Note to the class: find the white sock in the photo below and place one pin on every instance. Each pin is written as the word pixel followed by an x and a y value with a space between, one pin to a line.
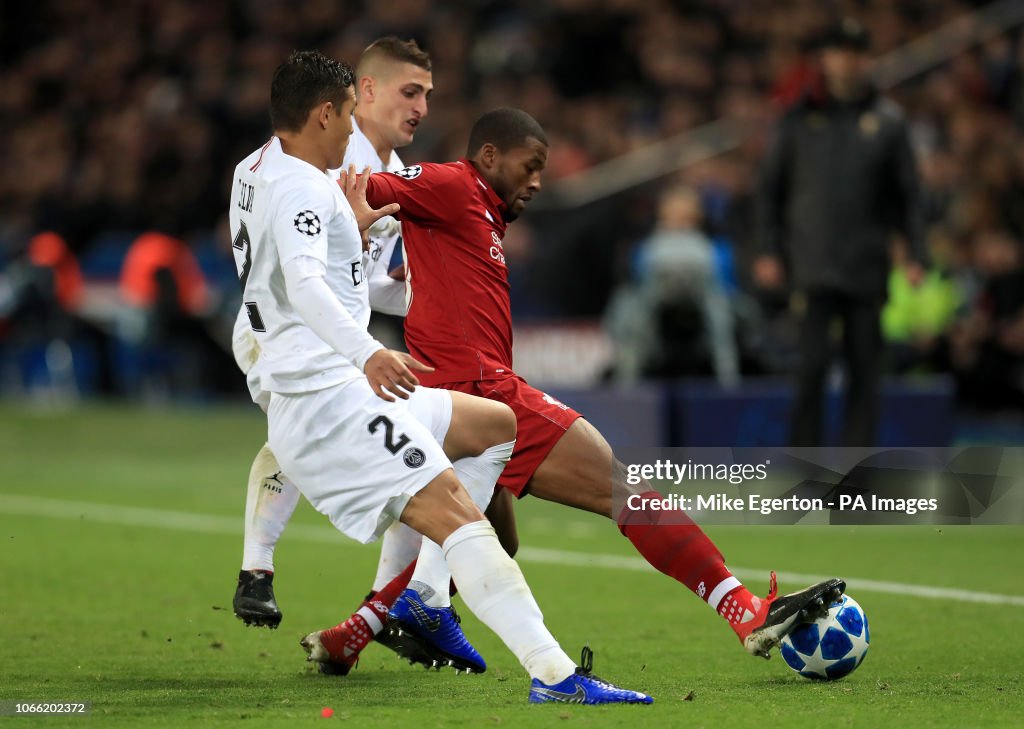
pixel 478 475
pixel 431 578
pixel 269 503
pixel 494 588
pixel 398 548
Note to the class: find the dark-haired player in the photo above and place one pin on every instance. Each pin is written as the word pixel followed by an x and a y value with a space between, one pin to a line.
pixel 394 83
pixel 334 423
pixel 454 217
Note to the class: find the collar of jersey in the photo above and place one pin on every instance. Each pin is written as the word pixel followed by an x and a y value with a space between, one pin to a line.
pixel 298 160
pixel 492 197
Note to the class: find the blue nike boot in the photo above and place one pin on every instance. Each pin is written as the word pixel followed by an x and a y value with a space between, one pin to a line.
pixel 583 687
pixel 430 636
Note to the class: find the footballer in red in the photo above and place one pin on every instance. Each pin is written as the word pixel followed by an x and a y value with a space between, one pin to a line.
pixel 454 217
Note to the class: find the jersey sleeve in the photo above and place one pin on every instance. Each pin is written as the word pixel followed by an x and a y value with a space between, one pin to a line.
pixel 428 194
pixel 301 214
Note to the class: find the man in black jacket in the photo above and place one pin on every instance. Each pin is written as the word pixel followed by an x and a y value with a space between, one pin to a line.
pixel 839 179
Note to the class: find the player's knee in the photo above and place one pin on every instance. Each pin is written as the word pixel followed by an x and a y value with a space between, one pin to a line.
pixel 495 424
pixel 504 424
pixel 440 508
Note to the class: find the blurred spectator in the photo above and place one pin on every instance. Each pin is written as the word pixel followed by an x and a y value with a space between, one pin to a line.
pixel 49 251
pixel 166 325
pixel 916 319
pixel 988 345
pixel 128 116
pixel 161 272
pixel 38 300
pixel 675 319
pixel 839 179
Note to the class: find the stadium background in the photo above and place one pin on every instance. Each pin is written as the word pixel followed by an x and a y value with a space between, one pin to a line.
pixel 125 118
pixel 124 458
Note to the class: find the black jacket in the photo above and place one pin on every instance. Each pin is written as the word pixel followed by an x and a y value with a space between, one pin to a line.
pixel 838 180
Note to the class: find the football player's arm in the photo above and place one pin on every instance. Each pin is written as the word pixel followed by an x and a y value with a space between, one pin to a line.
pixel 311 297
pixel 388 372
pixel 353 185
pixel 427 194
pixel 300 233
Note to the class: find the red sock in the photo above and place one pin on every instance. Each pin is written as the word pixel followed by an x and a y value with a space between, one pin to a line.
pixel 350 637
pixel 674 545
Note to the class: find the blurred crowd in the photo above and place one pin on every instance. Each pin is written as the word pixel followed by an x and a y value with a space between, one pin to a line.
pixel 126 116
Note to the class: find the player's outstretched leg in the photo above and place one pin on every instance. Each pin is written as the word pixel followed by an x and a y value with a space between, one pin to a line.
pixel 270 501
pixel 581 471
pixel 583 687
pixel 493 587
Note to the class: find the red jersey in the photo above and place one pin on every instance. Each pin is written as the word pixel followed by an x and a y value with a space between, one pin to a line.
pixel 459 320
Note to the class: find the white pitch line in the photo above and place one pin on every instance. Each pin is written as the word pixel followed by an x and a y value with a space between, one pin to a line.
pixel 855 584
pixel 89 511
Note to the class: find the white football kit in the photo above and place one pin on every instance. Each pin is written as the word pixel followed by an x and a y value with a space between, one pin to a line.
pixel 357 458
pixel 387 295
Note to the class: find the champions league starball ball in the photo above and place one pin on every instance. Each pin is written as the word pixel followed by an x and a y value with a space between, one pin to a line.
pixel 831 647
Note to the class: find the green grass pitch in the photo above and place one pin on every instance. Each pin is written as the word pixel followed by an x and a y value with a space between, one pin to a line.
pixel 120 539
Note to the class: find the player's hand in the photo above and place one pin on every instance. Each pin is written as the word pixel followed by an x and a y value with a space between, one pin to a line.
pixel 390 374
pixel 354 187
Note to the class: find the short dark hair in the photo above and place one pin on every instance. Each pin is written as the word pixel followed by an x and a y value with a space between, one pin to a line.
pixel 506 129
pixel 393 48
pixel 304 80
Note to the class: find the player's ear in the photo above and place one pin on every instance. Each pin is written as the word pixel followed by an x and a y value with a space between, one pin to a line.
pixel 367 88
pixel 324 113
pixel 488 156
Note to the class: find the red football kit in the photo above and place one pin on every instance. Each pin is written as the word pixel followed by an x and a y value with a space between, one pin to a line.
pixel 460 319
pixel 460 322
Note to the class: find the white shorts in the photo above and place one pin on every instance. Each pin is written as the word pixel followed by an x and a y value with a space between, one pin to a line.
pixel 357 458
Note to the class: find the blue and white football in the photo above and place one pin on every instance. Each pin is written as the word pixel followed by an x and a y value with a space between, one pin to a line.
pixel 830 647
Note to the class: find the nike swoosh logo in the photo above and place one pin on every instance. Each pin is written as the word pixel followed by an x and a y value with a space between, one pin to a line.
pixel 431 624
pixel 576 697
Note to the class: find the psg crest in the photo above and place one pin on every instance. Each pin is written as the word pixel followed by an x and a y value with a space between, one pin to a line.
pixel 307 223
pixel 414 457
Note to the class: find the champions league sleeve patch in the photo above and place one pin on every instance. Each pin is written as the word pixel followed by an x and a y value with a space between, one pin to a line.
pixel 307 223
pixel 411 172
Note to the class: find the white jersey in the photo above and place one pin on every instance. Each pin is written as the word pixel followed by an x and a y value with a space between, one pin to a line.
pixel 387 295
pixel 283 208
